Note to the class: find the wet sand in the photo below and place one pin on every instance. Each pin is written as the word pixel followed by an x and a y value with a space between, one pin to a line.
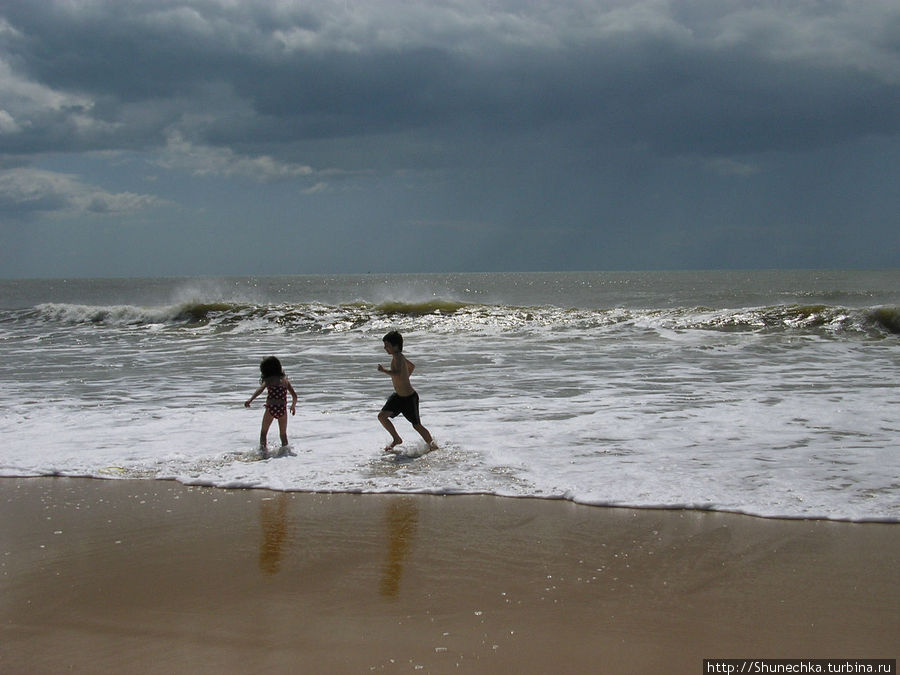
pixel 157 577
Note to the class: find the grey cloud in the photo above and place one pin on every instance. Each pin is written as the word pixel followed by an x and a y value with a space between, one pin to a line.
pixel 206 160
pixel 707 78
pixel 25 193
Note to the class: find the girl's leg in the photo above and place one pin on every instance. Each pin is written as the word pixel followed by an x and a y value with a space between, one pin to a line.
pixel 264 431
pixel 282 428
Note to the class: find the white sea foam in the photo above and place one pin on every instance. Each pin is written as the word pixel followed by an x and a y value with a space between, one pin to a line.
pixel 774 410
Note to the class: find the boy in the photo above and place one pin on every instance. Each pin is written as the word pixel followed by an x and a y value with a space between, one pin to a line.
pixel 404 400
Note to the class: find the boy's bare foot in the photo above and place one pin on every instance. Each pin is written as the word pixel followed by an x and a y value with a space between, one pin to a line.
pixel 390 447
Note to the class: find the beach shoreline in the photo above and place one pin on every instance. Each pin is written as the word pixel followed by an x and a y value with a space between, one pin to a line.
pixel 156 576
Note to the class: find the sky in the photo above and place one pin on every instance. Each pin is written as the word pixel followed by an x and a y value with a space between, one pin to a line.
pixel 255 137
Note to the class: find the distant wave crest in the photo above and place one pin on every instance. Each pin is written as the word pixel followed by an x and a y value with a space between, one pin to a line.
pixel 451 316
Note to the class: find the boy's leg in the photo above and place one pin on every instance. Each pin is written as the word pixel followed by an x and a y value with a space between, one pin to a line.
pixel 385 418
pixel 413 418
pixel 425 434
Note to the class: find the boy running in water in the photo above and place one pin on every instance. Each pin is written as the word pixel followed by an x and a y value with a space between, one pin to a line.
pixel 404 400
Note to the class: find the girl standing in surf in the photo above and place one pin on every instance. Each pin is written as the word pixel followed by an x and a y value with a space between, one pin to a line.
pixel 273 379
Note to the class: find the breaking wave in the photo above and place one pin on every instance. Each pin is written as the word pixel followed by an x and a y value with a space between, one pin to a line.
pixel 452 316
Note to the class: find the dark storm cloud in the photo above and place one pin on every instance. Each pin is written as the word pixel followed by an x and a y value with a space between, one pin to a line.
pixel 594 119
pixel 697 77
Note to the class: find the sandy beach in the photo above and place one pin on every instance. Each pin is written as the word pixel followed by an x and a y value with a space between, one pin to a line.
pixel 158 577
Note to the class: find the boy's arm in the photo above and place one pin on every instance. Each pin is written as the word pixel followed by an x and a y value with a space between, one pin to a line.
pixel 393 370
pixel 255 394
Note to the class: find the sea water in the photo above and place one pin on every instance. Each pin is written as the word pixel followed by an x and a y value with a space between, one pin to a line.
pixel 769 393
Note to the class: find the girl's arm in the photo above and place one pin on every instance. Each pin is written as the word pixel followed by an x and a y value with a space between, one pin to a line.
pixel 290 388
pixel 255 394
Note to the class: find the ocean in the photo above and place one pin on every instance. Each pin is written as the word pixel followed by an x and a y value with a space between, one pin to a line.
pixel 771 393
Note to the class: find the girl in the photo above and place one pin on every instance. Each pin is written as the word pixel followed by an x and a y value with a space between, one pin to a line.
pixel 273 378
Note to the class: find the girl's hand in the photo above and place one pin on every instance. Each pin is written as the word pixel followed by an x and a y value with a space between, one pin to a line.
pixel 247 403
pixel 293 408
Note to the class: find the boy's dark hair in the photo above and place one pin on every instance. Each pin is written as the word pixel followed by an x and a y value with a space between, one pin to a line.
pixel 270 367
pixel 395 339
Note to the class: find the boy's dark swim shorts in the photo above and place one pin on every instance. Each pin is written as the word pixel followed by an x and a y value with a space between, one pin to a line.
pixel 408 406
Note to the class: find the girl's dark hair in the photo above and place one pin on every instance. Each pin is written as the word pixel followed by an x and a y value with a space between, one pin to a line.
pixel 270 367
pixel 395 339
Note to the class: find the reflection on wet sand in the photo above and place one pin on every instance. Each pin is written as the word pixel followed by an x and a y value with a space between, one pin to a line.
pixel 401 517
pixel 273 521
